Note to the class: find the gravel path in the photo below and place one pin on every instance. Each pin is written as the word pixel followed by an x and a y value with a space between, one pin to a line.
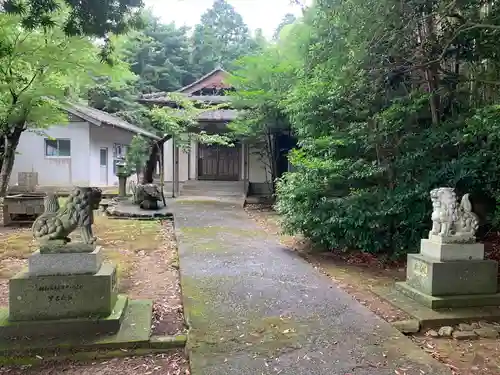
pixel 256 308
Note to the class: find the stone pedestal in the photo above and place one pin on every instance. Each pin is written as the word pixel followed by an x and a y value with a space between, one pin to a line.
pixel 63 296
pixel 43 264
pixel 451 275
pixel 64 292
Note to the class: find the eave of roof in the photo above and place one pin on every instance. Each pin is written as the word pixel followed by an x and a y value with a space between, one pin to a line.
pixel 219 115
pixel 99 118
pixel 162 98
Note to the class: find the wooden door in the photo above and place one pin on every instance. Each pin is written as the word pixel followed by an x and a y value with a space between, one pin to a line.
pixel 220 163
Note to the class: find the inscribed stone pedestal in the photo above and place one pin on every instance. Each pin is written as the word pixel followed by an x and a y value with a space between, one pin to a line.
pixel 438 278
pixel 65 263
pixel 60 297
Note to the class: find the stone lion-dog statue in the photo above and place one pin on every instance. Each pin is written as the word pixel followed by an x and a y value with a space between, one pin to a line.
pixel 56 223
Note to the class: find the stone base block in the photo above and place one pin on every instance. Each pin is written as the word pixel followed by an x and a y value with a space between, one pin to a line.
pixel 63 297
pixel 463 277
pixel 444 302
pixel 65 263
pixel 65 328
pixel 61 246
pixel 451 251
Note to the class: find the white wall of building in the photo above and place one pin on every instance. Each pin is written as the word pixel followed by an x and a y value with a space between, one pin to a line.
pixel 55 170
pixel 193 156
pixel 258 171
pixel 83 166
pixel 184 157
pixel 105 137
pixel 168 160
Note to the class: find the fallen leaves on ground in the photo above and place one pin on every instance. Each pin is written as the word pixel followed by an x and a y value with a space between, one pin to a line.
pixel 160 364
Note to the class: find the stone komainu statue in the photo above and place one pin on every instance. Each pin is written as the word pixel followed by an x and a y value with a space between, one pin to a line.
pixel 449 219
pixel 57 223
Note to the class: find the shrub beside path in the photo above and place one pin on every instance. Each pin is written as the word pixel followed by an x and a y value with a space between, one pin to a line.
pixel 256 308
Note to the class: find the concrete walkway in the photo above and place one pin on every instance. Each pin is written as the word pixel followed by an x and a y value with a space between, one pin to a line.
pixel 256 308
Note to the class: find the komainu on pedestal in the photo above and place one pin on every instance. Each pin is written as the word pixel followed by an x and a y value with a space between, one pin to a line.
pixel 68 289
pixel 450 270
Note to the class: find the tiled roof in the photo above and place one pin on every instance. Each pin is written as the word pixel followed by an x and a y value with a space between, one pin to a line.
pixel 188 88
pixel 98 117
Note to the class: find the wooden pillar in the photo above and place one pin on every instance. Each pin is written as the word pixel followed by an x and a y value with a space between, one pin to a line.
pixel 246 166
pixel 173 167
pixel 176 171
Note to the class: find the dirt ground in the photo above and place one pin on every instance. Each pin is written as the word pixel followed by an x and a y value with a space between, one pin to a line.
pixel 145 253
pixel 161 364
pixel 358 273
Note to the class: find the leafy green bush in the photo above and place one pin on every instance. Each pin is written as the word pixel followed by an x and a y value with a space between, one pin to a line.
pixel 344 202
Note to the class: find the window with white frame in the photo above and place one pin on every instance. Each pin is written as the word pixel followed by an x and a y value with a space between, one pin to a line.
pixel 119 151
pixel 57 147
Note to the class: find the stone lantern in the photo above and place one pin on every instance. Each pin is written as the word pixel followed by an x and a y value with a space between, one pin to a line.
pixel 122 172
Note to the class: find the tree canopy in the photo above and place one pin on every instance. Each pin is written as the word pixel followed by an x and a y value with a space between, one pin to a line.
pixel 88 17
pixel 39 73
pixel 220 38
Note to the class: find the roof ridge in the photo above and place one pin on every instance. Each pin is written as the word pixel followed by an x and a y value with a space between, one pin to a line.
pixel 218 69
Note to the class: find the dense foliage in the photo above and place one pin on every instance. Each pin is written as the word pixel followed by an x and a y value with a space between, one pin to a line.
pixel 388 99
pixel 88 17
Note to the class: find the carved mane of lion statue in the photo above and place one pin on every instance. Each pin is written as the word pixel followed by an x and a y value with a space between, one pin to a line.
pixel 444 211
pixel 57 223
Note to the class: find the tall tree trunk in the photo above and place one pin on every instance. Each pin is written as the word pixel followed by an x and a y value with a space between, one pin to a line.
pixel 2 149
pixel 10 143
pixel 154 154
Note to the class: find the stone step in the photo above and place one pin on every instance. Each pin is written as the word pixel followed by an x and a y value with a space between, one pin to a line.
pixel 213 188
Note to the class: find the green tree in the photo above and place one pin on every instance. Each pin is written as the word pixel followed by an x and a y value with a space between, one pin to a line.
pixel 288 19
pixel 159 54
pixel 220 38
pixel 137 154
pixel 262 83
pixel 36 72
pixel 90 17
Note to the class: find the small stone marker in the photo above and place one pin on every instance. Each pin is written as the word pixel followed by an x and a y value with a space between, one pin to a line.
pixel 445 331
pixel 407 326
pixel 464 335
pixel 483 324
pixel 466 327
pixel 432 333
pixel 487 333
